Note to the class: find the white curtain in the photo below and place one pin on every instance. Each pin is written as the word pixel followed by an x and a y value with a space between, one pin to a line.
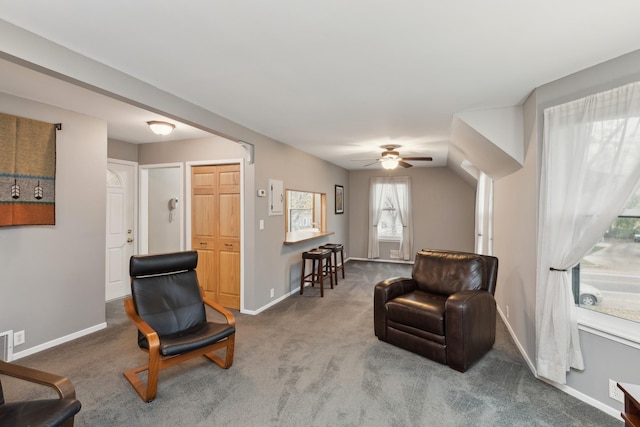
pixel 590 166
pixel 376 198
pixel 484 215
pixel 400 189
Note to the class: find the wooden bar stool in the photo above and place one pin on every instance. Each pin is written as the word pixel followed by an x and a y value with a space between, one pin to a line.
pixel 335 248
pixel 321 268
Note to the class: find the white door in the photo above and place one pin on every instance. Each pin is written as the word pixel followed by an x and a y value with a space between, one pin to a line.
pixel 120 228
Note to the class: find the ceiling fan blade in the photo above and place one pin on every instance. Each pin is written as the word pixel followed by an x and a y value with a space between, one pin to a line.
pixel 404 164
pixel 425 159
pixel 364 166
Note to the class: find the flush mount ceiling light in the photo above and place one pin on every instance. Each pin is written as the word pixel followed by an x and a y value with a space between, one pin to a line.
pixel 389 162
pixel 161 128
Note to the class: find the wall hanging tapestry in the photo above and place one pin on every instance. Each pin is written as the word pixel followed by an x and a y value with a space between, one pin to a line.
pixel 27 171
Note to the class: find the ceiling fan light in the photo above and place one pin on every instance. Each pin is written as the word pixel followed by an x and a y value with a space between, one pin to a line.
pixel 389 163
pixel 161 128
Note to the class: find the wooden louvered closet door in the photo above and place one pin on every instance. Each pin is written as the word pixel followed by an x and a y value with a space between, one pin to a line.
pixel 215 230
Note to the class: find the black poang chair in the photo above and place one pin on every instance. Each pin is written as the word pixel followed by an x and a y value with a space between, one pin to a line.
pixel 168 308
pixel 43 412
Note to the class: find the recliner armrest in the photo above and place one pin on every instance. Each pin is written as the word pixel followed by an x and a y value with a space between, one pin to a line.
pixel 389 289
pixel 470 327
pixel 383 292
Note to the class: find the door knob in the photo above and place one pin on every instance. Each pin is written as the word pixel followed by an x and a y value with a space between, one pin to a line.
pixel 129 240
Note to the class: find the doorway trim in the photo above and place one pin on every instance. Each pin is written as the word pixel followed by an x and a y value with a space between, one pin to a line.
pixel 187 209
pixel 134 235
pixel 143 240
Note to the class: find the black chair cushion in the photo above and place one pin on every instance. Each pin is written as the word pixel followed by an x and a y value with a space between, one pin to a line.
pixel 191 339
pixel 46 413
pixel 170 304
pixel 418 310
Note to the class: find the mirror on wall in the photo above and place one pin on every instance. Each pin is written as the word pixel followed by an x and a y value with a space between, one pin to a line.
pixel 305 211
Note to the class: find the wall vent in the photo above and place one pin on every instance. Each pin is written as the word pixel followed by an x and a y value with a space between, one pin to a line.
pixel 394 254
pixel 6 346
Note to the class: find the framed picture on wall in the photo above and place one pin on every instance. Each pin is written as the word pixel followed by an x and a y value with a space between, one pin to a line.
pixel 339 199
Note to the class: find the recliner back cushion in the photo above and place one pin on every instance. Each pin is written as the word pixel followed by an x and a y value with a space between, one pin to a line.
pixel 446 273
pixel 169 303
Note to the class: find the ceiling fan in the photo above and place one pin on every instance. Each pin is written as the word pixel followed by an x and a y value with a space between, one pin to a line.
pixel 390 158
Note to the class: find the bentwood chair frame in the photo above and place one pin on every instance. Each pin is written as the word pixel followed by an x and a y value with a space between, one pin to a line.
pixel 157 362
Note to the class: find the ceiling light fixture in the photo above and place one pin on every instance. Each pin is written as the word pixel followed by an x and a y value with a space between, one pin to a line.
pixel 389 162
pixel 161 128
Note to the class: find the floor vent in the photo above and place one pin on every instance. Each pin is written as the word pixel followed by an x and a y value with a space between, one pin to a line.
pixel 6 347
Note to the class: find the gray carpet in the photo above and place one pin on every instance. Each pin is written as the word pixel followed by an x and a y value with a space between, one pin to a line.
pixel 309 361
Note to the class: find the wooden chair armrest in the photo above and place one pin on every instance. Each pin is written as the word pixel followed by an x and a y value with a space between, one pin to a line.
pixel 61 385
pixel 143 327
pixel 231 320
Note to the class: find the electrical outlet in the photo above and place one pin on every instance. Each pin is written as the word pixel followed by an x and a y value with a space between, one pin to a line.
pixel 615 392
pixel 18 338
pixel 272 292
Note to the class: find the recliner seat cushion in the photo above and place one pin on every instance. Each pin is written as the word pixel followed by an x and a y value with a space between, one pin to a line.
pixel 419 310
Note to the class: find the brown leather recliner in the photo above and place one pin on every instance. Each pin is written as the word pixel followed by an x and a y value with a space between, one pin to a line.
pixel 445 312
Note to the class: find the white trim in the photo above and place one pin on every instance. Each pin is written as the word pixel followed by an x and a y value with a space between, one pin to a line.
pixel 58 341
pixel 615 413
pixel 271 303
pixel 9 335
pixel 390 261
pixel 562 387
pixel 607 326
pixel 523 353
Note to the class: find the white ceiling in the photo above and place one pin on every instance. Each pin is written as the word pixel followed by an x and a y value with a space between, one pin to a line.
pixel 334 78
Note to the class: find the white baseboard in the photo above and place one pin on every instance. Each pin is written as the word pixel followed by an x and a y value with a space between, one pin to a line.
pixel 58 341
pixel 562 387
pixel 390 261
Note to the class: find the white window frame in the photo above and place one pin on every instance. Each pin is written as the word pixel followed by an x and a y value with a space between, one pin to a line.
pixel 608 326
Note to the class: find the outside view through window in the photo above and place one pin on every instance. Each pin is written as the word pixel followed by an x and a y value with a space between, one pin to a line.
pixel 300 210
pixel 610 273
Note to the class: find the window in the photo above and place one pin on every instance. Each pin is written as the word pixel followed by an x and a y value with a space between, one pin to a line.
pixel 389 225
pixel 607 280
pixel 390 216
pixel 305 211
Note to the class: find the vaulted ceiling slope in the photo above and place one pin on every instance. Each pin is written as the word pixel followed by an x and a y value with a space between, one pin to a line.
pixel 339 79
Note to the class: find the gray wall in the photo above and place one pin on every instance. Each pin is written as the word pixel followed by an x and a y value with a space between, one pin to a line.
pixel 266 257
pixel 53 277
pixel 164 225
pixel 443 210
pixel 122 150
pixel 516 204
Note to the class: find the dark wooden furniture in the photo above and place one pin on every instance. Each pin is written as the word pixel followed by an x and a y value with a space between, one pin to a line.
pixel 336 248
pixel 49 412
pixel 631 414
pixel 321 268
pixel 168 308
